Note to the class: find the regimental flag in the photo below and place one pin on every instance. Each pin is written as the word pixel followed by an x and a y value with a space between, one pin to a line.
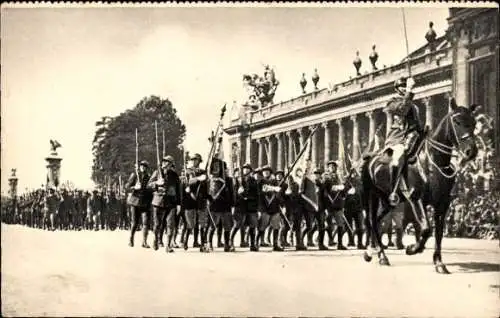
pixel 307 189
pixel 218 167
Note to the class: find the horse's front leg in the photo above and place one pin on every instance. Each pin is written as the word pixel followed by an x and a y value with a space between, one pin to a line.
pixel 423 222
pixel 439 218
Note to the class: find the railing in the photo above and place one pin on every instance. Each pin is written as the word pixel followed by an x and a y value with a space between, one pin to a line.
pixel 369 80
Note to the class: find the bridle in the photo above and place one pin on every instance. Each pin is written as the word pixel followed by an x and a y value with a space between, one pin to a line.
pixel 448 150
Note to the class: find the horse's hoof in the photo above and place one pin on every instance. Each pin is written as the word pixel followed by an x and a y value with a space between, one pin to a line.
pixel 367 257
pixel 384 261
pixel 441 269
pixel 410 250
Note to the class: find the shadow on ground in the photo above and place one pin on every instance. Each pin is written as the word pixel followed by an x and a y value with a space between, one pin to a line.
pixel 476 267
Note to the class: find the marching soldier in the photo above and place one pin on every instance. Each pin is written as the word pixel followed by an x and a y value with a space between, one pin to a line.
pixel 94 210
pixel 138 202
pixel 166 201
pixel 320 215
pixel 221 201
pixel 195 202
pixel 298 207
pixel 112 208
pixel 51 205
pixel 248 192
pixel 270 204
pixel 280 174
pixel 334 194
pixel 238 216
pixel 354 209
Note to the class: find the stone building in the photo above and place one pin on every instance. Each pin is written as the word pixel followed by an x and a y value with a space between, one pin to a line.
pixel 462 63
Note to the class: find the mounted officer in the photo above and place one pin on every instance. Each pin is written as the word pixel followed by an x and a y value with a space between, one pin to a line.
pixel 138 200
pixel 166 201
pixel 405 134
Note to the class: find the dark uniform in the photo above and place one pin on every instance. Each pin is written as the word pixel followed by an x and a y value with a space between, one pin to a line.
pixel 166 202
pixel 334 196
pixel 94 210
pixel 354 210
pixel 270 201
pixel 238 216
pixel 51 207
pixel 221 201
pixel 139 200
pixel 248 192
pixel 195 200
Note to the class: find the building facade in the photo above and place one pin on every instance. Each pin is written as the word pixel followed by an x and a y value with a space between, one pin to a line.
pixel 462 63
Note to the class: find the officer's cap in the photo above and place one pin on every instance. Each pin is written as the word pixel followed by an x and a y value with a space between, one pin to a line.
pixel 196 156
pixel 280 172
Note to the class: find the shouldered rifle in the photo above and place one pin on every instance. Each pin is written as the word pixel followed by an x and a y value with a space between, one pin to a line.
pixel 158 162
pixel 138 181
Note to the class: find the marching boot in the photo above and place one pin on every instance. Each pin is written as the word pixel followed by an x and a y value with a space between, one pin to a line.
pixel 243 241
pixel 351 238
pixel 330 237
pixel 389 236
pixel 186 239
pixel 145 237
pixel 211 233
pixel 261 240
pixel 268 240
pixel 183 235
pixel 321 239
pixel 300 242
pixel 340 234
pixel 276 246
pixel 195 235
pixel 360 245
pixel 284 236
pixel 227 246
pixel 169 248
pixel 131 240
pixel 399 239
pixel 155 242
pixel 219 237
pixel 253 246
pixel 310 242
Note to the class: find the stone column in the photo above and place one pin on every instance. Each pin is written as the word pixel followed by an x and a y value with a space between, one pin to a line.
pixel 248 152
pixel 371 130
pixel 291 155
pixel 428 111
pixel 340 135
pixel 389 122
pixel 279 164
pixel 326 126
pixel 355 138
pixel 302 138
pixel 270 159
pixel 260 161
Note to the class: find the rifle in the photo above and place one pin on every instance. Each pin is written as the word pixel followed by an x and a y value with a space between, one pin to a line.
pixel 138 181
pixel 158 162
pixel 164 149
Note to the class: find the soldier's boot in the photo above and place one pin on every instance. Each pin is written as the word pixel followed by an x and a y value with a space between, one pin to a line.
pixel 276 246
pixel 243 241
pixel 310 242
pixel 195 235
pixel 227 240
pixel 300 242
pixel 321 239
pixel 350 235
pixel 169 248
pixel 155 242
pixel 340 235
pixel 145 237
pixel 399 239
pixel 360 245
pixel 253 246
pixel 268 240
pixel 219 237
pixel 331 241
pixel 389 236
pixel 284 237
pixel 183 235
pixel 186 240
pixel 131 240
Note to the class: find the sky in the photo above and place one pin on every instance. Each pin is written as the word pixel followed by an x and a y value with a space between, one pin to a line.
pixel 62 69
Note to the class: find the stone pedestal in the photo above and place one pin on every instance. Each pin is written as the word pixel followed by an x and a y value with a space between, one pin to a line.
pixel 53 170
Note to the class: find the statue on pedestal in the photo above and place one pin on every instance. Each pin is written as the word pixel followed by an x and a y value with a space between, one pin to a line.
pixel 261 89
pixel 53 165
pixel 303 83
pixel 373 58
pixel 315 79
pixel 357 63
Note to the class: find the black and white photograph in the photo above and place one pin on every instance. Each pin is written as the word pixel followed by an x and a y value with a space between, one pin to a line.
pixel 250 159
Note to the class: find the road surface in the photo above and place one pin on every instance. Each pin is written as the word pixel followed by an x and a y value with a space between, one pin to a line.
pixel 96 274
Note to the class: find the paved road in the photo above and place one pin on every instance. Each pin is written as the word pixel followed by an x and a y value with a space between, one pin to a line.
pixel 81 273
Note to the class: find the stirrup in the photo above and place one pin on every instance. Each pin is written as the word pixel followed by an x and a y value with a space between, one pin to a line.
pixel 394 199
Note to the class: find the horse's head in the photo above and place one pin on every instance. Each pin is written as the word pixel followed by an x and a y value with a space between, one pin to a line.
pixel 460 131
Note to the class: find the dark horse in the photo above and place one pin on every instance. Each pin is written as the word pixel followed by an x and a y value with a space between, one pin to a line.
pixel 454 132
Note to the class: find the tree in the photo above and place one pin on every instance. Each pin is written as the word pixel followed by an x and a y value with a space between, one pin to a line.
pixel 114 140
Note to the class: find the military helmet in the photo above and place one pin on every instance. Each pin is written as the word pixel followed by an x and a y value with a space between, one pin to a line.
pixel 248 166
pixel 168 159
pixel 144 163
pixel 267 168
pixel 400 82
pixel 332 162
pixel 196 156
